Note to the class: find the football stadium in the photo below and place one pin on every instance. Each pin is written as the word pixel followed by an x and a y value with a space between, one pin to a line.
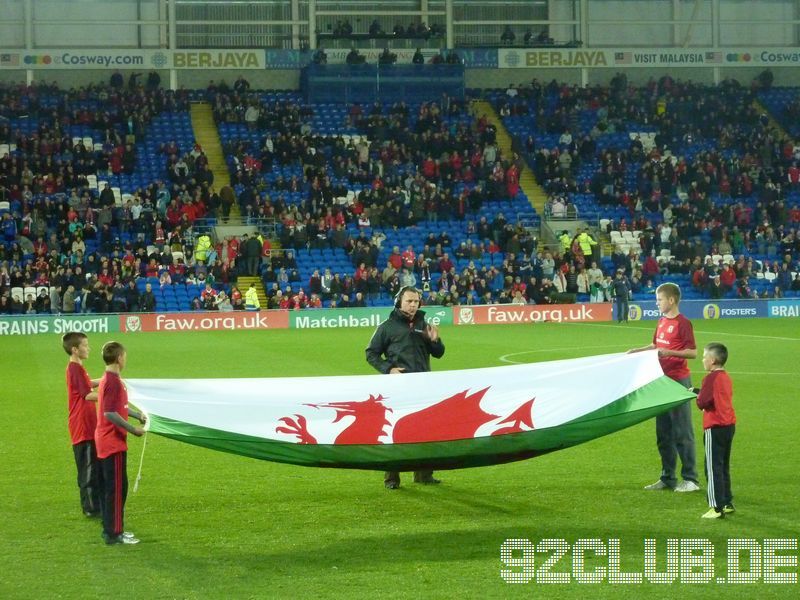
pixel 569 228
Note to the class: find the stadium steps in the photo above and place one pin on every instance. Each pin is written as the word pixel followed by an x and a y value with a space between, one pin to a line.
pixel 531 188
pixel 773 122
pixel 206 134
pixel 605 244
pixel 243 283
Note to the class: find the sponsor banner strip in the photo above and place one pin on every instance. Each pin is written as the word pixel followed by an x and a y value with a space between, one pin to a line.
pixel 204 321
pixel 703 309
pixel 560 58
pixel 789 307
pixel 133 59
pixel 58 324
pixel 471 58
pixel 359 317
pixel 445 419
pixel 512 314
pixel 504 58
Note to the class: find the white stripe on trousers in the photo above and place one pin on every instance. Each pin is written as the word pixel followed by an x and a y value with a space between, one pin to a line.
pixel 712 502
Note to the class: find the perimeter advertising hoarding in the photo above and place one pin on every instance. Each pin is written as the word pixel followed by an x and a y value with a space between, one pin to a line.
pixel 789 307
pixel 560 58
pixel 58 324
pixel 702 309
pixel 511 314
pixel 240 58
pixel 359 317
pixel 204 321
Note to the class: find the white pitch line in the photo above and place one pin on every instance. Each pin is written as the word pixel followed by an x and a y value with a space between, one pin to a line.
pixel 756 373
pixel 505 358
pixel 745 335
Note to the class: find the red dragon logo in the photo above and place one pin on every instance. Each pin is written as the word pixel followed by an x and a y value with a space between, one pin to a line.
pixel 454 418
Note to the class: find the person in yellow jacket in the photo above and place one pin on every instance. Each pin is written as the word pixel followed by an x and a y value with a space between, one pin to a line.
pixel 566 241
pixel 201 250
pixel 251 301
pixel 586 241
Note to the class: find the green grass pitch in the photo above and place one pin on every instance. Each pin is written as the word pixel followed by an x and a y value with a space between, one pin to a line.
pixel 215 525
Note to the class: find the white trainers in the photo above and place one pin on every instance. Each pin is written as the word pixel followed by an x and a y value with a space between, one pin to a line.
pixel 128 534
pixel 129 540
pixel 658 485
pixel 687 486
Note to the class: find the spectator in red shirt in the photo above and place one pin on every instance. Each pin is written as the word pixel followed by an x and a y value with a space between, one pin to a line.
pixel 396 259
pixel 314 301
pixel 208 295
pixel 445 264
pixel 793 174
pixel 83 421
pixel 173 214
pixel 650 267
pixel 111 441
pixel 236 298
pixel 674 340
pixel 409 256
pixel 727 278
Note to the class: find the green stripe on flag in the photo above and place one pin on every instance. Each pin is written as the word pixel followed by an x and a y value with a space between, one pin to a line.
pixel 650 400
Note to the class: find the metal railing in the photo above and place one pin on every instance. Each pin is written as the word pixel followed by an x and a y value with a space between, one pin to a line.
pixel 266 227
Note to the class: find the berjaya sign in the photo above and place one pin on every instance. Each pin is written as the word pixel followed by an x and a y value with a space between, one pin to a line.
pixel 560 58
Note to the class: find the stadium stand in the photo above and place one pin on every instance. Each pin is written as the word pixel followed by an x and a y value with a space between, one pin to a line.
pixel 679 181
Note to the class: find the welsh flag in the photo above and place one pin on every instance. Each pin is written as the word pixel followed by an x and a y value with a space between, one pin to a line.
pixel 439 420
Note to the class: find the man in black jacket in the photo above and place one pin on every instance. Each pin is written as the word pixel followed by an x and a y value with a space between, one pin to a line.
pixel 404 343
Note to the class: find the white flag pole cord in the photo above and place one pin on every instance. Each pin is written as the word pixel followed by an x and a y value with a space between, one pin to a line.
pixel 141 462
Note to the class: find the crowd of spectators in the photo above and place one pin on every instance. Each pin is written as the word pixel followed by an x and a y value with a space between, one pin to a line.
pixel 409 167
pixel 412 166
pixel 717 180
pixel 415 30
pixel 80 247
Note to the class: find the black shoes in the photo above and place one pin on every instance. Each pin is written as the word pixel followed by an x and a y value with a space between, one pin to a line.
pixel 428 481
pixel 392 484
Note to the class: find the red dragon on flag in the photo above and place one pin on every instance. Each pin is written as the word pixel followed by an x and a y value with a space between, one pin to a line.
pixel 454 418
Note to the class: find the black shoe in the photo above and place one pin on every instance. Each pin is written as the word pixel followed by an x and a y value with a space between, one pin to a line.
pixel 428 481
pixel 391 485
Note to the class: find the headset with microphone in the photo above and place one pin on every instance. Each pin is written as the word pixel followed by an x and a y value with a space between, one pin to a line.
pixel 398 297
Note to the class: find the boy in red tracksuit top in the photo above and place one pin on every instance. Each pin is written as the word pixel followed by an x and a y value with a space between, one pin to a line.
pixel 111 441
pixel 715 399
pixel 83 421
